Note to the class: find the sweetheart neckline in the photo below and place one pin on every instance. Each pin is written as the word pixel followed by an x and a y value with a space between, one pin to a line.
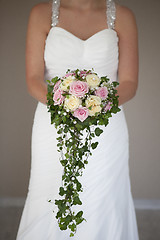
pixel 95 34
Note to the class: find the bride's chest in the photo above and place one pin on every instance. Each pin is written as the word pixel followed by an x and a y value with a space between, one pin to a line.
pixel 82 23
pixel 62 44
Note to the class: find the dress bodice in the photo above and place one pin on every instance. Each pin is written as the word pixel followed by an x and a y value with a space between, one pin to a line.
pixel 63 50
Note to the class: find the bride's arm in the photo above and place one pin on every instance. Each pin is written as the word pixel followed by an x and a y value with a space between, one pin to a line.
pixel 38 25
pixel 126 28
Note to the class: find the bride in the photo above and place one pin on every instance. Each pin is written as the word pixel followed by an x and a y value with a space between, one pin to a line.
pixel 84 34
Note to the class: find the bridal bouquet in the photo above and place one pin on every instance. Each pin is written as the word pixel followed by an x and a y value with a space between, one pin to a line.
pixel 79 102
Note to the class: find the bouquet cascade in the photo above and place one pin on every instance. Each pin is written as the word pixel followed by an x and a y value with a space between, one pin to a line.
pixel 78 102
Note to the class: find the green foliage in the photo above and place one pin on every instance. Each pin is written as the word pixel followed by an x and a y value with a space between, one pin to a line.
pixel 94 145
pixel 74 152
pixel 98 131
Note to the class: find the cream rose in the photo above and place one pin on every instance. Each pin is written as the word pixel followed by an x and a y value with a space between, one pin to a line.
pixel 94 110
pixel 72 102
pixel 93 80
pixel 93 102
pixel 66 83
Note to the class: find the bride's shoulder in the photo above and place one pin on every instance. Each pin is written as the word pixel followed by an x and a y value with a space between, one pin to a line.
pixel 41 13
pixel 124 13
pixel 42 8
pixel 125 18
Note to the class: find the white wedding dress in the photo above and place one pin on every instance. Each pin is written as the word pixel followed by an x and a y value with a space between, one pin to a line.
pixel 107 199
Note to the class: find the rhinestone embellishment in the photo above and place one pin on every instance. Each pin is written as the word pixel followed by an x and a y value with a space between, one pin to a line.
pixel 55 12
pixel 111 13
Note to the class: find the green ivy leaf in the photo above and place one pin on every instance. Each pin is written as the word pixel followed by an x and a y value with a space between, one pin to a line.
pixel 71 234
pixel 79 220
pixel 68 219
pixel 50 88
pixel 79 214
pixel 115 84
pixel 101 122
pixel 115 109
pixel 94 145
pixel 67 155
pixel 98 131
pixel 72 227
pixel 79 185
pixel 77 201
pixel 78 126
pixel 63 226
pixel 55 79
pixel 63 162
pixel 61 191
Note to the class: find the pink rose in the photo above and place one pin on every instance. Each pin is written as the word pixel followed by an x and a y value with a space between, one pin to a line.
pixel 78 88
pixel 102 92
pixel 107 106
pixel 56 86
pixel 58 97
pixel 81 113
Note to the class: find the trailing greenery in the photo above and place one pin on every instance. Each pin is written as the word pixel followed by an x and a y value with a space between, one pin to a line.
pixel 75 150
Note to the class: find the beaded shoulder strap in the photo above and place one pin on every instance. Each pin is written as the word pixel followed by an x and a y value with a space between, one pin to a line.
pixel 55 12
pixel 111 13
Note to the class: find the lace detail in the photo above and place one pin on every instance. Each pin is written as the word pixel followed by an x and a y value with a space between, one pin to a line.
pixel 55 12
pixel 111 13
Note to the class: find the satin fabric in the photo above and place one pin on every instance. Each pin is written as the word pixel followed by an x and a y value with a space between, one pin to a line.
pixel 107 199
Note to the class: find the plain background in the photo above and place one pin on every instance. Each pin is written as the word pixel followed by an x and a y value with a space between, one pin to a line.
pixel 17 106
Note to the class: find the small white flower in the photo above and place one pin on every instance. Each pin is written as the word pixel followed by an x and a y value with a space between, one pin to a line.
pixel 59 112
pixel 92 89
pixel 65 113
pixel 74 122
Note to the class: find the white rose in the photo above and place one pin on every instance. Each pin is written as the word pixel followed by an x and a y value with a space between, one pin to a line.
pixel 93 102
pixel 93 80
pixel 66 83
pixel 94 110
pixel 72 102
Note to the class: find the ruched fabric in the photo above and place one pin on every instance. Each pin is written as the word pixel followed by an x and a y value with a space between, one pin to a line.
pixel 107 199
